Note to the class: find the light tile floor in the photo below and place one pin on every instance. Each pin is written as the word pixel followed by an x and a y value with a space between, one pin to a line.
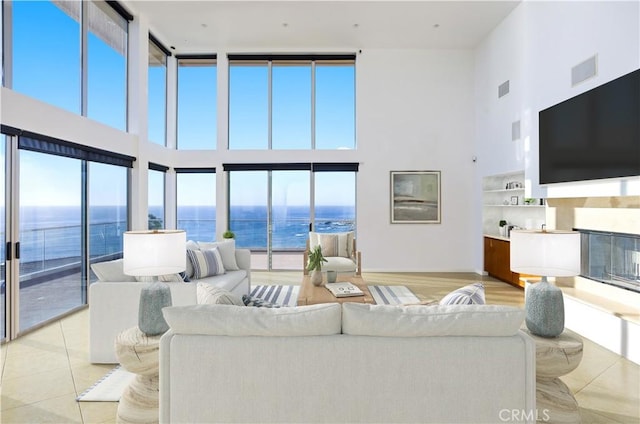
pixel 43 372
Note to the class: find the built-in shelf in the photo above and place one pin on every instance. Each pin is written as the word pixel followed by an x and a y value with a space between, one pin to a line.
pixel 504 199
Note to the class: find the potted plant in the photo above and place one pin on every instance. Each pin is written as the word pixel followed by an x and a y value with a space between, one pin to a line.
pixel 315 265
pixel 228 234
pixel 503 228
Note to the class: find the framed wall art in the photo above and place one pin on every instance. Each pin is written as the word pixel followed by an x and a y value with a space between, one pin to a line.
pixel 415 197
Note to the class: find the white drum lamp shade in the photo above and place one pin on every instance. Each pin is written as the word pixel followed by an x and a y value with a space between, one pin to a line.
pixel 547 254
pixel 153 253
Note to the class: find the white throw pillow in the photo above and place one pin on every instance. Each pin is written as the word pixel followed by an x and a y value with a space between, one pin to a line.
pixel 205 262
pixel 111 271
pixel 333 244
pixel 420 321
pixel 227 249
pixel 229 320
pixel 473 294
pixel 208 294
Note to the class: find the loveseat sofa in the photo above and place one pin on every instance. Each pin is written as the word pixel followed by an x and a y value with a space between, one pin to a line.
pixel 346 363
pixel 114 299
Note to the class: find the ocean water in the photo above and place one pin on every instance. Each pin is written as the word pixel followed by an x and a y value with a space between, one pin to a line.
pixel 54 233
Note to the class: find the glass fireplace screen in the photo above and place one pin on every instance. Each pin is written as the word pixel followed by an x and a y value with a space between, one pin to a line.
pixel 611 258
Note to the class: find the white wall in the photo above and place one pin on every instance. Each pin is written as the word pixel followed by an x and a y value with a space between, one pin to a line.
pixel 535 48
pixel 415 112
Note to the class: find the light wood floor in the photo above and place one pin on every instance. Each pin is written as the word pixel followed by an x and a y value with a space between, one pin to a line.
pixel 44 371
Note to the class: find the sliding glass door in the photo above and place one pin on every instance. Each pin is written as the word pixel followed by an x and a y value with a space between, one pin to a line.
pixel 249 213
pixel 56 217
pixel 269 214
pixel 290 217
pixel 50 231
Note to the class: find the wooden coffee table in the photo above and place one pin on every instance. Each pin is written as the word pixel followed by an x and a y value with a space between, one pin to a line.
pixel 312 295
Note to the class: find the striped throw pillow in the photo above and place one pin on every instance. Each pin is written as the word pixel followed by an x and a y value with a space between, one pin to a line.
pixel 205 262
pixel 473 294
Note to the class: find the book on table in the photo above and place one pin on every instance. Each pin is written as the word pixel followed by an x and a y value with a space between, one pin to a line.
pixel 344 289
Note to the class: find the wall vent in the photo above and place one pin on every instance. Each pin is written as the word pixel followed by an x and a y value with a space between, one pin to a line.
pixel 585 70
pixel 515 130
pixel 503 89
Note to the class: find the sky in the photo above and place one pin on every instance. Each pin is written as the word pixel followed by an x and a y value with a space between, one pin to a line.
pixel 46 65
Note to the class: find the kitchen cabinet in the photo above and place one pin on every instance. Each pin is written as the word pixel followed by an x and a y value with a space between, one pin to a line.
pixel 497 258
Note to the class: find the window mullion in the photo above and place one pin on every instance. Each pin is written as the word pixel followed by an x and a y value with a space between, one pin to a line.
pixel 270 105
pixel 313 105
pixel 269 218
pixel 84 58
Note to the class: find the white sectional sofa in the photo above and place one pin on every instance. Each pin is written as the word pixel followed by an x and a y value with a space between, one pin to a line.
pixel 346 363
pixel 114 300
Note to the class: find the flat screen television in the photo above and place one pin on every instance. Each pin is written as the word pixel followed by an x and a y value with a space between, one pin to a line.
pixel 594 135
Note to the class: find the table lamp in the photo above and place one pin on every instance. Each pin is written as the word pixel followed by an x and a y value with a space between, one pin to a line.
pixel 547 254
pixel 151 254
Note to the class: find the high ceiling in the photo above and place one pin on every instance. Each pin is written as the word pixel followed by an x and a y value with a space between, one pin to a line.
pixel 208 26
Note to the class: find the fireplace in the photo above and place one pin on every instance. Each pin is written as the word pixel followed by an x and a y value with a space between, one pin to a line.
pixel 611 258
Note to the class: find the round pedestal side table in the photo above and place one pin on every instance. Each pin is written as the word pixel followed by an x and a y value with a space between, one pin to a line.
pixel 556 357
pixel 138 353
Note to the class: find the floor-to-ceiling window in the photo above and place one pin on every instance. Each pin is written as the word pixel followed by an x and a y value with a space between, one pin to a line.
pixel 291 105
pixel 291 102
pixel 271 207
pixel 196 203
pixel 248 207
pixel 61 218
pixel 197 102
pixel 334 210
pixel 50 237
pixel 335 105
pixel 290 211
pixel 107 65
pixel 269 212
pixel 156 196
pixel 108 214
pixel 46 51
pixel 157 92
pixel 249 105
pixel 49 61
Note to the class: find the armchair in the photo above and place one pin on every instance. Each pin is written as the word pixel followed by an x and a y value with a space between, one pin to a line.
pixel 339 249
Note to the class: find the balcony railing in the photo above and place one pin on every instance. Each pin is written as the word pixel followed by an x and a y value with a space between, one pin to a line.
pixel 46 251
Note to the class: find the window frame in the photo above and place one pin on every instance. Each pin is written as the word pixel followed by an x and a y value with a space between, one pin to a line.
pixel 271 60
pixel 163 61
pixel 8 53
pixel 203 58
